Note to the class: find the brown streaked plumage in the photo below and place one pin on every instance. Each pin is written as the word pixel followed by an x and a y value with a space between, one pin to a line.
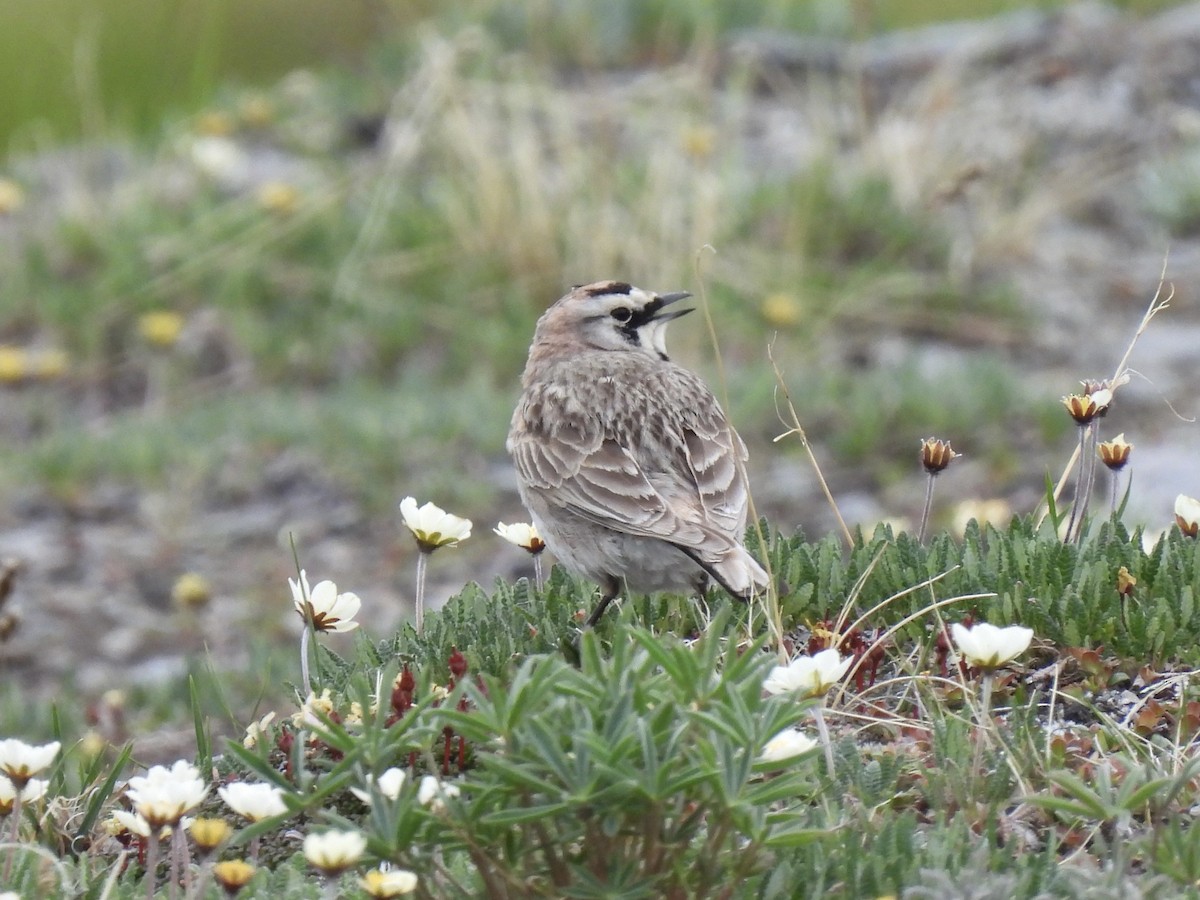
pixel 625 460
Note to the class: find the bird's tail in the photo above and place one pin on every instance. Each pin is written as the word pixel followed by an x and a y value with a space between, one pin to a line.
pixel 735 570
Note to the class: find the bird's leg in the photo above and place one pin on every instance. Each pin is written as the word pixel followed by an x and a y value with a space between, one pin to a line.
pixel 609 591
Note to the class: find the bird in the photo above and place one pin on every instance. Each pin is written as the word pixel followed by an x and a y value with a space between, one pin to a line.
pixel 626 462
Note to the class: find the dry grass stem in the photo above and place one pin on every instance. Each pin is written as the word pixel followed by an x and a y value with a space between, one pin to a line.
pixel 797 429
pixel 770 600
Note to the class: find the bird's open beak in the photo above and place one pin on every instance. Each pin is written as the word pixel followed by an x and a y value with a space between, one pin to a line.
pixel 665 300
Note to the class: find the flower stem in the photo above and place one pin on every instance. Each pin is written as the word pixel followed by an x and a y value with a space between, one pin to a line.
pixel 823 733
pixel 537 571
pixel 1087 474
pixel 985 717
pixel 419 618
pixel 173 853
pixel 1075 504
pixel 151 862
pixel 304 661
pixel 928 507
pixel 16 832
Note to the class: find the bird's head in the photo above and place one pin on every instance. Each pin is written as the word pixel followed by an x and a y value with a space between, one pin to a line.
pixel 612 315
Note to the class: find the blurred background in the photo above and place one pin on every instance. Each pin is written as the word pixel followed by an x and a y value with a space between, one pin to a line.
pixel 266 268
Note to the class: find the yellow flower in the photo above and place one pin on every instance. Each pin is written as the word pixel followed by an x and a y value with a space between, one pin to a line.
pixel 233 874
pixel 214 123
pixel 14 365
pixel 1125 582
pixel 92 745
pixel 256 111
pixel 160 328
pixel 278 197
pixel 191 591
pixel 209 834
pixel 698 141
pixel 12 197
pixel 781 310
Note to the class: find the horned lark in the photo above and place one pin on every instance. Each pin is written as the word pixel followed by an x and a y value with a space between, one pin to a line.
pixel 626 462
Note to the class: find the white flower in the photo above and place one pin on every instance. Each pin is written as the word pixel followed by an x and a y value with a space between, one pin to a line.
pixel 434 794
pixel 333 852
pixel 432 526
pixel 1102 398
pixel 1187 514
pixel 808 676
pixel 324 606
pixel 392 883
pixel 388 784
pixel 257 730
pixel 787 744
pixel 523 535
pixel 220 159
pixel 162 796
pixel 310 714
pixel 989 647
pixel 253 801
pixel 21 761
pixel 131 822
pixel 122 821
pixel 34 790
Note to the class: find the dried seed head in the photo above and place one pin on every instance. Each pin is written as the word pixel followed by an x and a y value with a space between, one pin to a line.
pixel 1085 407
pixel 1115 453
pixel 936 454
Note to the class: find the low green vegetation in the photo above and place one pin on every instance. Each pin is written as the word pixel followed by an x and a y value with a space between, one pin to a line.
pixel 648 768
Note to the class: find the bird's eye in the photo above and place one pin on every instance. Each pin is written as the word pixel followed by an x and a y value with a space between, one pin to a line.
pixel 622 313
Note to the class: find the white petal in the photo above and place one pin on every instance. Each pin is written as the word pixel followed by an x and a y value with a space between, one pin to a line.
pixel 1187 508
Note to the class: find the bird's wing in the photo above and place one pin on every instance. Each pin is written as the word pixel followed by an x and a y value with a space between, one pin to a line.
pixel 677 479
